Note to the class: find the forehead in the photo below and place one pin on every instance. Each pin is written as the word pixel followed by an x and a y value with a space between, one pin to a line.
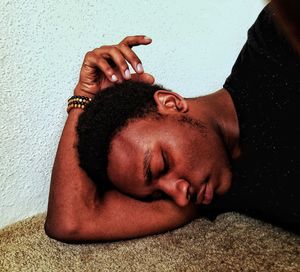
pixel 127 153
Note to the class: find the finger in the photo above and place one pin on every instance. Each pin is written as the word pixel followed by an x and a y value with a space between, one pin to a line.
pixel 91 62
pixel 131 57
pixel 136 40
pixel 146 78
pixel 107 70
pixel 117 57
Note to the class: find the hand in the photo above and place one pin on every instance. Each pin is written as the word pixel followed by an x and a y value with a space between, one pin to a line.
pixel 106 65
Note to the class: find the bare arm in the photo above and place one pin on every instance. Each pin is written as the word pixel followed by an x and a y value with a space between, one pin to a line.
pixel 76 213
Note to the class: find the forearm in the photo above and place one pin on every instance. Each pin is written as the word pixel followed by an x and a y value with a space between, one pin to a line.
pixel 71 191
pixel 121 217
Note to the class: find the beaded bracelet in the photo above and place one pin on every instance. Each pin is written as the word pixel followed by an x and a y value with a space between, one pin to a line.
pixel 77 101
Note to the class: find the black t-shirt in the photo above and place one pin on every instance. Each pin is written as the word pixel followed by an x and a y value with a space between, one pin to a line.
pixel 265 87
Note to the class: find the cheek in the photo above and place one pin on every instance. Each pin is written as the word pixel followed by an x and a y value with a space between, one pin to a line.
pixel 187 156
pixel 207 151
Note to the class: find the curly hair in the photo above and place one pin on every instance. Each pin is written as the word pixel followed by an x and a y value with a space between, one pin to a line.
pixel 109 112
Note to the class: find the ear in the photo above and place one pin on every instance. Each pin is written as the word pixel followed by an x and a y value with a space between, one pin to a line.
pixel 169 102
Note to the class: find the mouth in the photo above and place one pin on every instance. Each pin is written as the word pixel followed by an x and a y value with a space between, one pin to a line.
pixel 205 193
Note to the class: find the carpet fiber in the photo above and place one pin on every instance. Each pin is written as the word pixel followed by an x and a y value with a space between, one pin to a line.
pixel 230 243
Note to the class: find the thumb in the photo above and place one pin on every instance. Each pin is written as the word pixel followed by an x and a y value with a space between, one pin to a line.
pixel 144 77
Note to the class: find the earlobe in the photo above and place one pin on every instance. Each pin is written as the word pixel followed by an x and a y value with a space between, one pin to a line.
pixel 170 102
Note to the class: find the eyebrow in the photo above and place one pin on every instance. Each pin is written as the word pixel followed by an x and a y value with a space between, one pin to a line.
pixel 146 168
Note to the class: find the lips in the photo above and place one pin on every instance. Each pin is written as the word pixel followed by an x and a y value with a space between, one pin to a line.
pixel 209 193
pixel 201 194
pixel 205 194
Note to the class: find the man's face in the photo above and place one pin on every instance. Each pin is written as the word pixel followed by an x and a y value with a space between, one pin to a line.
pixel 180 158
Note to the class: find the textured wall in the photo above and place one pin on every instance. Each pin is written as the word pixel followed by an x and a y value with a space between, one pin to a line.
pixel 42 44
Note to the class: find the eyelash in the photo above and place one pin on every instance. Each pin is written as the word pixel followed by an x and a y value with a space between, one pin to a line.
pixel 157 195
pixel 166 166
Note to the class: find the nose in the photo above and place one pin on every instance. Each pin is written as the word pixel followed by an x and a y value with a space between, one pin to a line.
pixel 177 189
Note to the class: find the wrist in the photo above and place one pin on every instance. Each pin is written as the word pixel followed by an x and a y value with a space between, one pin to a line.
pixel 75 112
pixel 79 91
pixel 78 102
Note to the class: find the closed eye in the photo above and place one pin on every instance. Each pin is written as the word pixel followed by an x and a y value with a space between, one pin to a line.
pixel 158 195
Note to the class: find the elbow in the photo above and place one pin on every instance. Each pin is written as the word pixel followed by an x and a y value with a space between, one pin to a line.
pixel 63 231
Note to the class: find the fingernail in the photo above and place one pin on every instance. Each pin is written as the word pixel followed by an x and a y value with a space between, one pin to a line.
pixel 127 74
pixel 147 38
pixel 140 68
pixel 114 78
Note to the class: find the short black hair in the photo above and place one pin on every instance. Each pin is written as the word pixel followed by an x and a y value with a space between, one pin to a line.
pixel 106 115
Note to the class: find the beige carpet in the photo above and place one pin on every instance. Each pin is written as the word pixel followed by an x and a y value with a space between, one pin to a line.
pixel 231 243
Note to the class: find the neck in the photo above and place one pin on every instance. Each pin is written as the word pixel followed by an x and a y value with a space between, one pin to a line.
pixel 218 112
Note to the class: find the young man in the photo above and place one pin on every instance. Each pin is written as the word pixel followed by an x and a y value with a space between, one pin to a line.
pixel 158 160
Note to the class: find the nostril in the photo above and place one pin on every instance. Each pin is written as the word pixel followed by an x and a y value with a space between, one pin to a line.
pixel 191 195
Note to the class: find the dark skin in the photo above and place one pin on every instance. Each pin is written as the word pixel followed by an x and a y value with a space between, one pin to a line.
pixel 185 161
pixel 75 211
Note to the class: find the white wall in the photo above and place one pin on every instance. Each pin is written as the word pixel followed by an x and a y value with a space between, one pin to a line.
pixel 42 44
